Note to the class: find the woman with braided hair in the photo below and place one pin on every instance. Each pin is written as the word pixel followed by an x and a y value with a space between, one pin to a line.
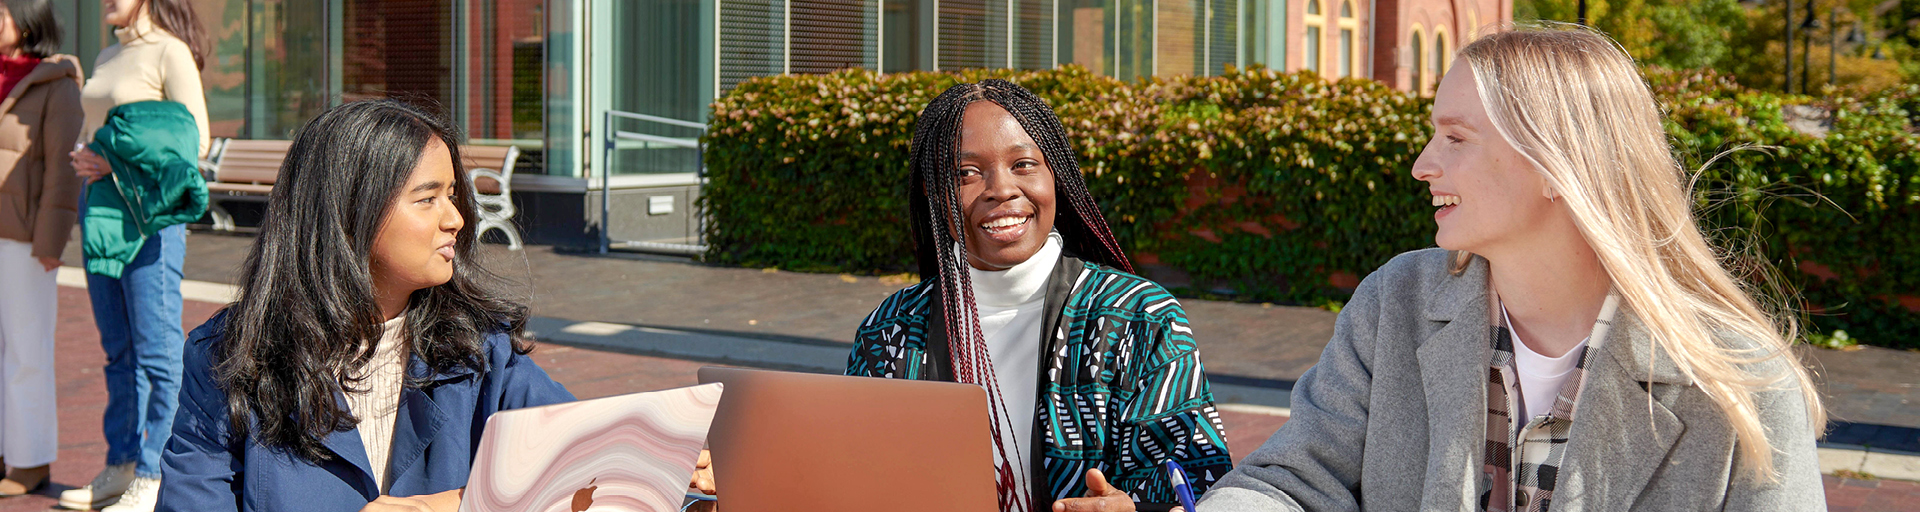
pixel 1092 375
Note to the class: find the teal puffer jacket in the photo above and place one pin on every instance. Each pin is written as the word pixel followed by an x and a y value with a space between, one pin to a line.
pixel 154 149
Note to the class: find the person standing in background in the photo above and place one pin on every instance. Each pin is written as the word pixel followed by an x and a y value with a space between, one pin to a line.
pixel 39 120
pixel 161 50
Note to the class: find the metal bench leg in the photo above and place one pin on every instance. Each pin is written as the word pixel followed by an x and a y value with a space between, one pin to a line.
pixel 513 236
pixel 222 221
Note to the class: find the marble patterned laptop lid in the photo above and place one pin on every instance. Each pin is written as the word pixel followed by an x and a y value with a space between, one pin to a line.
pixel 630 452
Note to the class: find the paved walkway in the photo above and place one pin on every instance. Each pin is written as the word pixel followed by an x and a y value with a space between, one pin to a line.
pixel 592 373
pixel 1254 344
pixel 593 308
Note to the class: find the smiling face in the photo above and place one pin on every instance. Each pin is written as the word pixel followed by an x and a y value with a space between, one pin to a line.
pixel 414 249
pixel 1006 188
pixel 1486 193
pixel 120 13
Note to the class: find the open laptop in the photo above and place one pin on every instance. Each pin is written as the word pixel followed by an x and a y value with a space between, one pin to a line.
pixel 628 453
pixel 799 442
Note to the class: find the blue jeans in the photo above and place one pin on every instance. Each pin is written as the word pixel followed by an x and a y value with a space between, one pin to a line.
pixel 139 320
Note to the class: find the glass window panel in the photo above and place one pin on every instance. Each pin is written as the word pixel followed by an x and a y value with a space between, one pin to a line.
pixel 1346 52
pixel 752 40
pixel 286 64
pixel 1033 34
pixel 828 35
pixel 654 70
pixel 1439 60
pixel 973 34
pixel 1313 48
pixel 1085 32
pixel 1266 41
pixel 1223 35
pixel 1134 37
pixel 502 93
pixel 1181 37
pixel 225 74
pixel 908 40
pixel 1416 82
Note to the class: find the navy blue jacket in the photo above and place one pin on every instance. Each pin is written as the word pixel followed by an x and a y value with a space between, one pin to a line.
pixel 436 432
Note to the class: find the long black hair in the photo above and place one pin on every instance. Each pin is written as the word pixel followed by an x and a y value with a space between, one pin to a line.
pixel 937 215
pixel 306 315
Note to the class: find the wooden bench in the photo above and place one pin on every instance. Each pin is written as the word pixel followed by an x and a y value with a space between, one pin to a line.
pixel 243 170
pixel 246 169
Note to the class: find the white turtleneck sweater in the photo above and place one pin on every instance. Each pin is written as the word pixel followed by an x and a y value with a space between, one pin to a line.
pixel 148 64
pixel 377 406
pixel 1012 304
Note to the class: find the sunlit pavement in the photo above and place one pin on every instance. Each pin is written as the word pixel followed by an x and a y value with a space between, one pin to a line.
pixel 595 373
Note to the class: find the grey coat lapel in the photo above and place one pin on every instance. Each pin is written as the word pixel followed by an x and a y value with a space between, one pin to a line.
pixel 1622 429
pixel 1453 369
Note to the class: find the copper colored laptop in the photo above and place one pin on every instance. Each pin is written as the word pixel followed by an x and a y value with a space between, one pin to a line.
pixel 801 442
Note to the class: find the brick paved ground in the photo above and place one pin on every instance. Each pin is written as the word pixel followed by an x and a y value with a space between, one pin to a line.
pixel 587 373
pixel 592 373
pixel 1873 386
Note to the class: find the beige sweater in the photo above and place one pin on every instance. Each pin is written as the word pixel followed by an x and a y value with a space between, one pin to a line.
pixel 377 405
pixel 149 64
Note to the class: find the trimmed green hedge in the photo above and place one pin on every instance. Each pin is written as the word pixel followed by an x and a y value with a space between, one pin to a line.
pixel 1287 187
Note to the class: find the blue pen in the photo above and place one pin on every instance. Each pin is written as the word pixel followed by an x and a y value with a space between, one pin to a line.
pixel 1178 476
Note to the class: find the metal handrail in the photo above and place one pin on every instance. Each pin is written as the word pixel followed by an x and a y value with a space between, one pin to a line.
pixel 609 136
pixel 656 119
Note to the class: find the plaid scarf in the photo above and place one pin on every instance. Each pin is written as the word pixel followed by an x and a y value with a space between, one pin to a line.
pixel 1522 462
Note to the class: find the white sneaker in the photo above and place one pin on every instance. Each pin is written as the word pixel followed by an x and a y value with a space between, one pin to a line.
pixel 141 496
pixel 107 487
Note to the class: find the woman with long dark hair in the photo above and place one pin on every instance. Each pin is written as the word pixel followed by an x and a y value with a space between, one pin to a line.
pixel 39 120
pixel 135 290
pixel 367 346
pixel 1092 374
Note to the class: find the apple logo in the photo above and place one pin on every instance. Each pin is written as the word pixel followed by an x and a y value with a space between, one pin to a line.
pixel 583 498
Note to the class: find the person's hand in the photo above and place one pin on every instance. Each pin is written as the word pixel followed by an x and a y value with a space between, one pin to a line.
pixel 1101 497
pixel 90 167
pixel 703 474
pixel 49 263
pixel 448 501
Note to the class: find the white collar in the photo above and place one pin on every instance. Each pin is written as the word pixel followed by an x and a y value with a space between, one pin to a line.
pixel 1019 284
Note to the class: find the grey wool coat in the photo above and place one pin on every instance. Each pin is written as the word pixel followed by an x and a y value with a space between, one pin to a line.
pixel 1393 417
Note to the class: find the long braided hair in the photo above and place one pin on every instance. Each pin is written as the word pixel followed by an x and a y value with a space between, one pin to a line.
pixel 939 218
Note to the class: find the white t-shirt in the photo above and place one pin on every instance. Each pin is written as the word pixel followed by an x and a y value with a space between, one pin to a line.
pixel 1540 376
pixel 1012 304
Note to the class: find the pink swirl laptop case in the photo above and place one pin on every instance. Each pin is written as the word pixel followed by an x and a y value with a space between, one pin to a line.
pixel 621 453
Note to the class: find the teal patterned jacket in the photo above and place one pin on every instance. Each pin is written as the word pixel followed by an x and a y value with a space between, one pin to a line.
pixel 1121 388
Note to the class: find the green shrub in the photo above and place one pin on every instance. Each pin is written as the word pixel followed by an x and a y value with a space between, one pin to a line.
pixel 1287 187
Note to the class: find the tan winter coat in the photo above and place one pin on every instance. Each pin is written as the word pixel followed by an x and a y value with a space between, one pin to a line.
pixel 39 121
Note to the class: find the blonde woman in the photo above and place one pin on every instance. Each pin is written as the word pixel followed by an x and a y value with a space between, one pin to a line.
pixel 1575 343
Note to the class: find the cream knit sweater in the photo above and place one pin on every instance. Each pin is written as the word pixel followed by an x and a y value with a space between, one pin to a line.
pixel 148 64
pixel 383 378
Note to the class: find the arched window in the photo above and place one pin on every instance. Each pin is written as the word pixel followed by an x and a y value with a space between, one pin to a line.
pixel 1316 35
pixel 1349 41
pixel 1417 81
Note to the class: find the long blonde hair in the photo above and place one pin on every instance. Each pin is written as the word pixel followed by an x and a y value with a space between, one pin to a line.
pixel 1572 101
